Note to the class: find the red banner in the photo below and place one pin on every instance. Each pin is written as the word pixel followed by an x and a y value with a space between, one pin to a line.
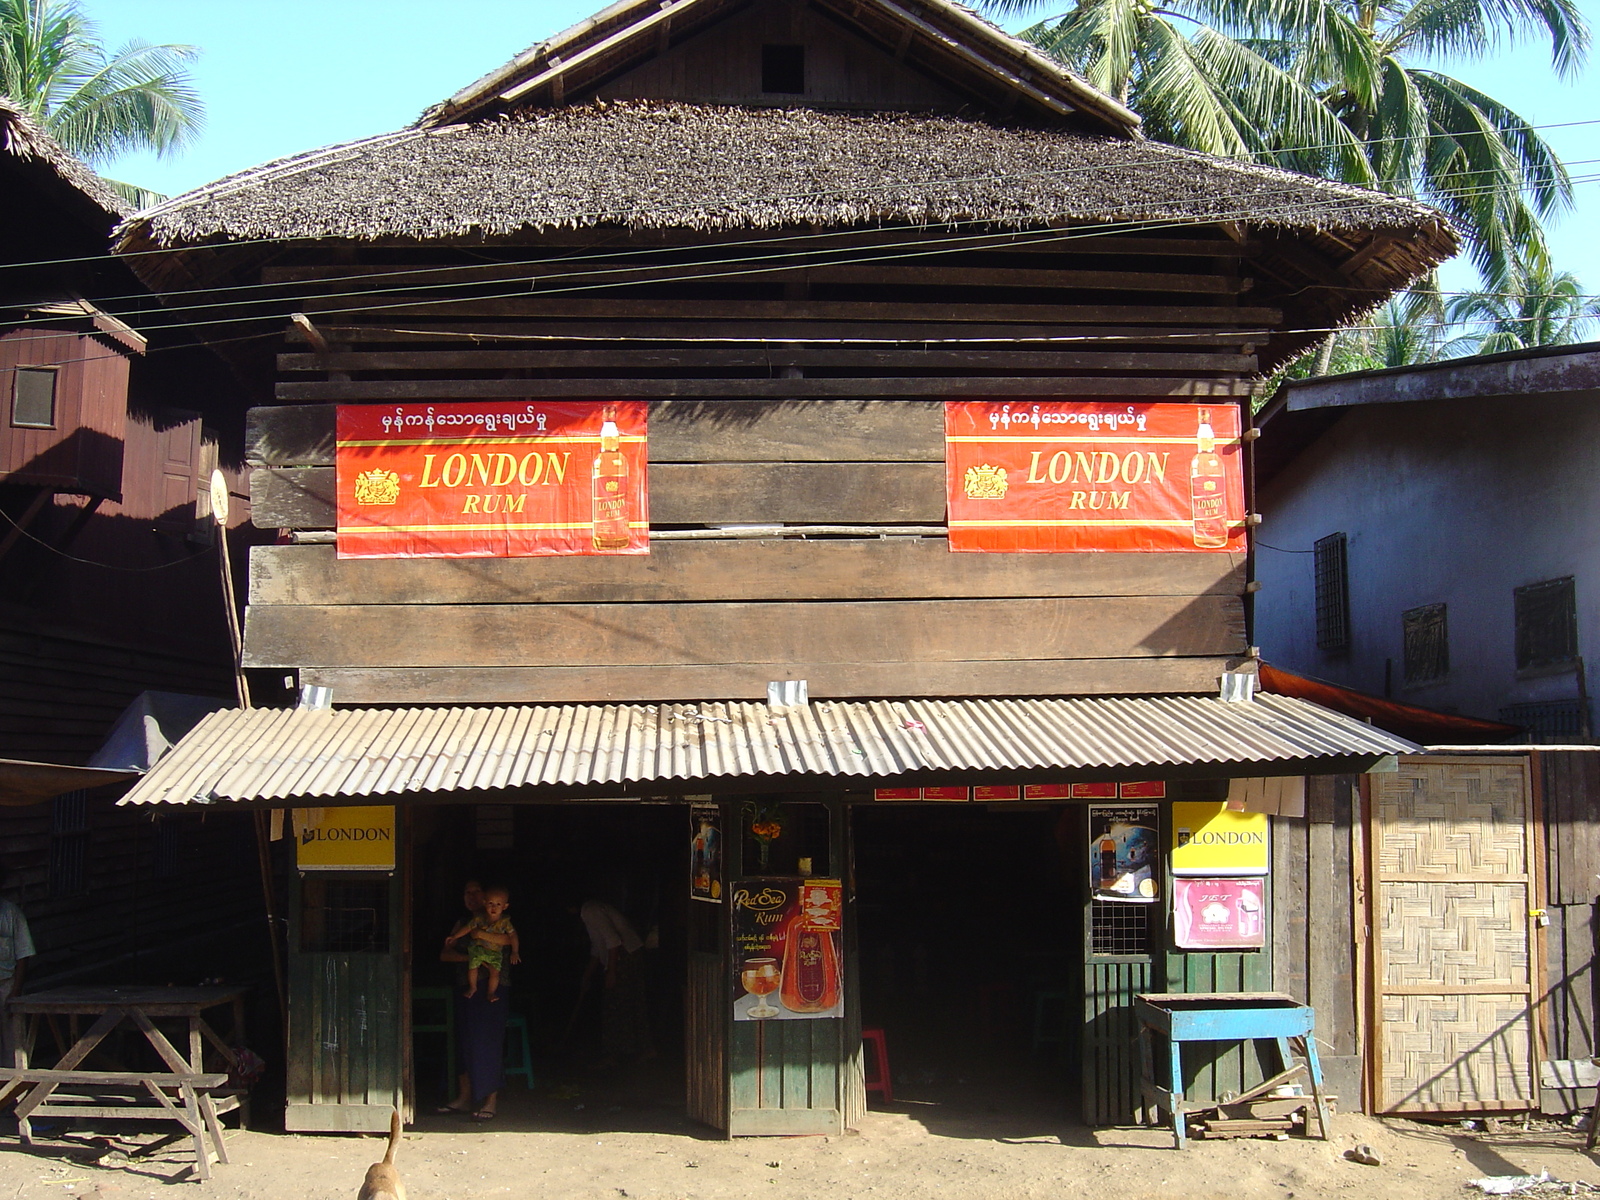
pixel 492 480
pixel 1059 476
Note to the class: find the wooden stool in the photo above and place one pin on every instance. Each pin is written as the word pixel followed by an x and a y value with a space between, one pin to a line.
pixel 445 997
pixel 880 1064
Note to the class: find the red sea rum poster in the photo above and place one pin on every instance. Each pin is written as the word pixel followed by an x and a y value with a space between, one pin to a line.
pixel 492 480
pixel 1069 476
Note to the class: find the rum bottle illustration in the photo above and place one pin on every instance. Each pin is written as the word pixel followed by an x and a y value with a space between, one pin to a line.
pixel 1208 492
pixel 810 968
pixel 610 487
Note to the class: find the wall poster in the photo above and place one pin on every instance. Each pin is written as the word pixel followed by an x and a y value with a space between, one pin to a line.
pixel 351 838
pixel 705 853
pixel 1123 858
pixel 1063 476
pixel 494 480
pixel 787 960
pixel 1213 914
pixel 1210 839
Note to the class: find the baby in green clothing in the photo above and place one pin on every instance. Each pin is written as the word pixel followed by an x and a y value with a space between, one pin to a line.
pixel 488 953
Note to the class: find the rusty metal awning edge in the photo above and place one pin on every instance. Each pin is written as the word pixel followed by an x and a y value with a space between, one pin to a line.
pixel 277 757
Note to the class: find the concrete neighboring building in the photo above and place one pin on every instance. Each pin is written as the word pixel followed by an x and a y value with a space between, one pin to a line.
pixel 1432 534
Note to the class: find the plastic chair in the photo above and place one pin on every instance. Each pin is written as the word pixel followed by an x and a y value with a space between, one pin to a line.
pixel 447 997
pixel 880 1063
pixel 519 1058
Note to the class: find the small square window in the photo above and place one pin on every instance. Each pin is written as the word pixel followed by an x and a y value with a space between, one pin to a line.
pixel 33 398
pixel 1331 566
pixel 1546 617
pixel 1427 644
pixel 783 70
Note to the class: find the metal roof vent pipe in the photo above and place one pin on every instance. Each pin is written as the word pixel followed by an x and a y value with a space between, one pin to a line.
pixel 1238 687
pixel 788 693
pixel 315 696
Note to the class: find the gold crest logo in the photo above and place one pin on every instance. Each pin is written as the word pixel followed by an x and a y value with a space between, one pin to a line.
pixel 377 487
pixel 984 482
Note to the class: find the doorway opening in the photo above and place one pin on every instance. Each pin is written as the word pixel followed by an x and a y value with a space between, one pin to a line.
pixel 970 943
pixel 552 858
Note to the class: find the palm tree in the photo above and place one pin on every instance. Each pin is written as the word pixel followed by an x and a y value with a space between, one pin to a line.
pixel 1326 87
pixel 1536 307
pixel 97 104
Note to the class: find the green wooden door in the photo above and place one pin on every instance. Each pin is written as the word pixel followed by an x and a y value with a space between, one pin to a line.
pixel 788 1076
pixel 345 967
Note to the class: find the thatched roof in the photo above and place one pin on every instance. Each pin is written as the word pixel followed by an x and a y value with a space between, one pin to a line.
pixel 676 166
pixel 23 139
pixel 945 39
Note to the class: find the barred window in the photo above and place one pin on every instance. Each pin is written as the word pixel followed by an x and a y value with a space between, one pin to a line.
pixel 1427 644
pixel 69 845
pixel 1333 594
pixel 1546 617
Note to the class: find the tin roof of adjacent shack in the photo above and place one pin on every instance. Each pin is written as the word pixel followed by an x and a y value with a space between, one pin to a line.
pixel 353 755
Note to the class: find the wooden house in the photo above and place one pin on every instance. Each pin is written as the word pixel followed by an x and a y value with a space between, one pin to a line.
pixel 109 588
pixel 795 233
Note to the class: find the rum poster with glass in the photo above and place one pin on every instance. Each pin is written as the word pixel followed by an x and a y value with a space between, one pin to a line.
pixel 787 960
pixel 1123 853
pixel 491 480
pixel 1078 476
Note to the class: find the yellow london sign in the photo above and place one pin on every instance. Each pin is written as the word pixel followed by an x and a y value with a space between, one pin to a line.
pixel 345 839
pixel 1212 839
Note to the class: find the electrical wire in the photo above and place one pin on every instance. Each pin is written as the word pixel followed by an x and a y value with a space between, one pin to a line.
pixel 750 264
pixel 89 562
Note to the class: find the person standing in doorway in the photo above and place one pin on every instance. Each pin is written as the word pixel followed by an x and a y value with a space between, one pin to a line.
pixel 615 952
pixel 16 948
pixel 480 1025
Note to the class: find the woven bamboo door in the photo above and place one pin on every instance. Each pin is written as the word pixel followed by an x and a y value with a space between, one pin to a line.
pixel 1453 891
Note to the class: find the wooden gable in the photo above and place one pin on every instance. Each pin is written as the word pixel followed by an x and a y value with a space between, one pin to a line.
pixel 759 56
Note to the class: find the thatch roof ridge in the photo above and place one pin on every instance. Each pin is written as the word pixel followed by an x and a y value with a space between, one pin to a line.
pixel 975 34
pixel 22 137
pixel 651 164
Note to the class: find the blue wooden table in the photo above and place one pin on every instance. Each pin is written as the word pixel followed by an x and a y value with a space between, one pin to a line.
pixel 1224 1017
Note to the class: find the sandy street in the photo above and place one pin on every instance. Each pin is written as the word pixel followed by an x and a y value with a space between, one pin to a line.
pixel 899 1155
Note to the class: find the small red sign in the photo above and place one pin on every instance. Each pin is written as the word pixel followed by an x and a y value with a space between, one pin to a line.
pixel 1061 476
pixel 1047 791
pixel 897 793
pixel 947 793
pixel 491 480
pixel 1154 789
pixel 997 793
pixel 1094 791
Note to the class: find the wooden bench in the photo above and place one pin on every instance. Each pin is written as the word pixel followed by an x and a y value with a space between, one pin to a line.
pixel 188 1099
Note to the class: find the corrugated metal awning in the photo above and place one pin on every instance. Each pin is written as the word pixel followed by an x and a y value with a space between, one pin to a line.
pixel 277 755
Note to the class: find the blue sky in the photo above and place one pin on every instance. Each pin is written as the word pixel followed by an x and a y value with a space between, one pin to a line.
pixel 282 76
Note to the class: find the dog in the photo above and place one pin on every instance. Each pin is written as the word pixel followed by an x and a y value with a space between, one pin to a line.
pixel 383 1181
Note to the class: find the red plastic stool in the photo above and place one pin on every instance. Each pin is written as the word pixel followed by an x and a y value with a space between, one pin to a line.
pixel 880 1063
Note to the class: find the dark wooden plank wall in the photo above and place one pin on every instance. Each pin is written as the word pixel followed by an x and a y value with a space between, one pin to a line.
pixel 1569 785
pixel 795 383
pixel 1313 925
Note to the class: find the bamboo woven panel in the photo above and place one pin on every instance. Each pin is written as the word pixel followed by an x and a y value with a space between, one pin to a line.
pixel 1456 1054
pixel 1454 934
pixel 1451 819
pixel 1451 901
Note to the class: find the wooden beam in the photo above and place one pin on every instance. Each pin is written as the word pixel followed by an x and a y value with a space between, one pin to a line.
pixel 853 569
pixel 826 680
pixel 687 494
pixel 468 332
pixel 730 358
pixel 742 389
pixel 683 431
pixel 772 634
pixel 611 308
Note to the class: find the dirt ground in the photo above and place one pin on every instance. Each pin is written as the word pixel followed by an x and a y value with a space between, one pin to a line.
pixel 569 1146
